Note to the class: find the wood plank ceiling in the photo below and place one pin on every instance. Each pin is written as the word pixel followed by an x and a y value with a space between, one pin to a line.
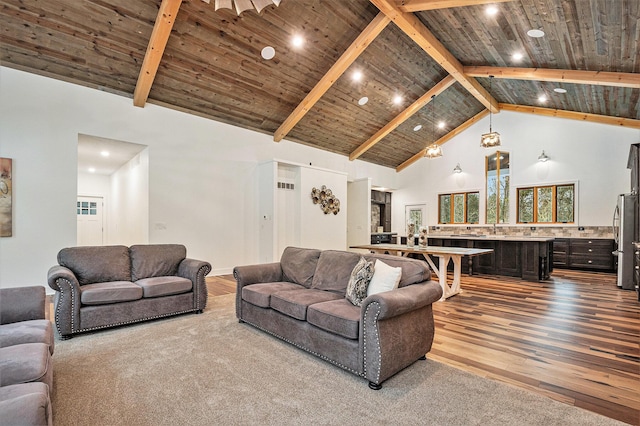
pixel 211 65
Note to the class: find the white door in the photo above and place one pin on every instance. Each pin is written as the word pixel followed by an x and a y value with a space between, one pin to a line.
pixel 90 227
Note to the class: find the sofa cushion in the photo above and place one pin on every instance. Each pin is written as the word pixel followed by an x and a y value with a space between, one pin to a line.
pixel 294 303
pixel 29 362
pixel 97 264
pixel 33 331
pixel 25 404
pixel 333 271
pixel 164 286
pixel 413 270
pixel 299 264
pixel 155 260
pixel 336 316
pixel 359 281
pixel 385 278
pixel 260 294
pixel 110 292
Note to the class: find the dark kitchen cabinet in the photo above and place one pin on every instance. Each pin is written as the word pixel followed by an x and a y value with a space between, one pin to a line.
pixel 590 254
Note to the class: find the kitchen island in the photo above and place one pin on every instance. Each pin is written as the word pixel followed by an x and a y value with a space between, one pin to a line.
pixel 530 258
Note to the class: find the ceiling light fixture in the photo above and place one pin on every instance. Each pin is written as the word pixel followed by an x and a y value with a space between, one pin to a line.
pixel 397 99
pixel 560 90
pixel 441 125
pixel 491 10
pixel 434 150
pixel 457 168
pixel 297 41
pixel 92 169
pixel 357 75
pixel 418 127
pixel 241 5
pixel 268 53
pixel 104 153
pixel 542 99
pixel 517 57
pixel 491 139
pixel 535 33
pixel 363 101
pixel 543 157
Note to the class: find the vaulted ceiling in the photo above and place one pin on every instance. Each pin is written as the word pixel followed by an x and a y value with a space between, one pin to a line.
pixel 436 55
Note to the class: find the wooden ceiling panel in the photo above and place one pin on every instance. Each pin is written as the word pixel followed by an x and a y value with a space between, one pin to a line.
pixel 220 54
pixel 406 71
pixel 212 66
pixel 84 42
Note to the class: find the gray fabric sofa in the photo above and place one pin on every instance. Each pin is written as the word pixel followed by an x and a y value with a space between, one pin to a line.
pixel 301 300
pixel 26 349
pixel 107 286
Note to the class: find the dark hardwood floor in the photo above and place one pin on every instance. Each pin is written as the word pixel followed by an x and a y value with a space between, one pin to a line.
pixel 574 338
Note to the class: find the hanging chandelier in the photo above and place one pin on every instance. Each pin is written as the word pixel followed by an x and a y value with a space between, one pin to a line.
pixel 491 139
pixel 434 150
pixel 241 5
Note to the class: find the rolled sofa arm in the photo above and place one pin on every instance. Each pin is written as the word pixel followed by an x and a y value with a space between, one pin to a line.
pixel 404 299
pixel 254 274
pixel 67 302
pixel 22 304
pixel 196 271
pixel 397 328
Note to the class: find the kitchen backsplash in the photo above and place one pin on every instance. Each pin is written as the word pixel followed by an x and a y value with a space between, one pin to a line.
pixel 527 231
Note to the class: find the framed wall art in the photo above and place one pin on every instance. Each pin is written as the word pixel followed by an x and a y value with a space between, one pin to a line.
pixel 6 196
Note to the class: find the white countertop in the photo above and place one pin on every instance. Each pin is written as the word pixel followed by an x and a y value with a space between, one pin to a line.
pixel 490 237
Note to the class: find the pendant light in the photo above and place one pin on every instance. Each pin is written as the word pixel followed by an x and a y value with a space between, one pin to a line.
pixel 434 150
pixel 491 139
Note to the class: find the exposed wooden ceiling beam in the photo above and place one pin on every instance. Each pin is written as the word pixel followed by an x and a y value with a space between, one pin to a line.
pixel 157 43
pixel 413 27
pixel 403 116
pixel 599 78
pixel 573 115
pixel 455 132
pixel 418 5
pixel 365 38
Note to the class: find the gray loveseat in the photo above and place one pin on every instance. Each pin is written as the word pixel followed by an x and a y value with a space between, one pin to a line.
pixel 301 300
pixel 26 349
pixel 106 286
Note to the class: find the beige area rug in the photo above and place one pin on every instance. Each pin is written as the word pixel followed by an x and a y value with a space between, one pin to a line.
pixel 211 370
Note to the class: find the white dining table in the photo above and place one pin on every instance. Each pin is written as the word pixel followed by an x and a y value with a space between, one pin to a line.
pixel 444 254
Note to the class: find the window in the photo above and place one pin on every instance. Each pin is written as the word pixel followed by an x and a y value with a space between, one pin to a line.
pixel 87 208
pixel 461 207
pixel 497 180
pixel 546 204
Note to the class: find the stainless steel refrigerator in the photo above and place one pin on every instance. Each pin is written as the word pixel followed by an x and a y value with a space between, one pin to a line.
pixel 624 222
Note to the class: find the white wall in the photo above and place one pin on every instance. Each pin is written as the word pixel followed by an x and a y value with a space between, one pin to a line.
pixel 319 230
pixel 594 155
pixel 128 210
pixel 202 173
pixel 359 212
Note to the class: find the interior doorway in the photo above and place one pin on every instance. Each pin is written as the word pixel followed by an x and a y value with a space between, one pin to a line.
pixel 90 216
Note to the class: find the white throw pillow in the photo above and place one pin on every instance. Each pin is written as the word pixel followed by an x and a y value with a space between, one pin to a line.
pixel 384 278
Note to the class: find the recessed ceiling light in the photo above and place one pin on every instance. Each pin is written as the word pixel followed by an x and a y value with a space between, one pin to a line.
pixel 268 53
pixel 418 127
pixel 517 56
pixel 542 99
pixel 92 169
pixel 297 41
pixel 104 153
pixel 357 75
pixel 397 99
pixel 363 100
pixel 441 125
pixel 560 90
pixel 535 33
pixel 491 10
